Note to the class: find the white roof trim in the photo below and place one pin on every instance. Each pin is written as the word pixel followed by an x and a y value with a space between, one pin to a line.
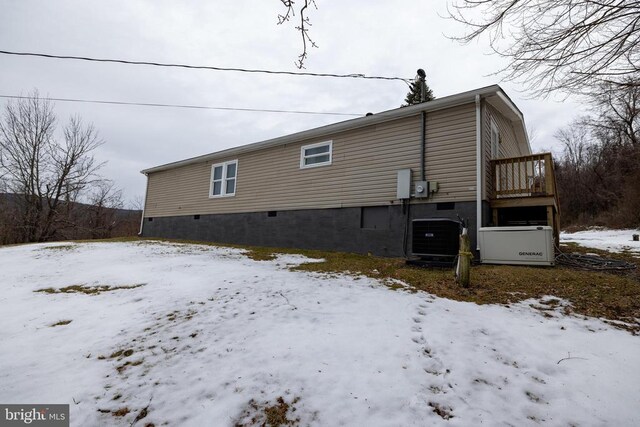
pixel 437 104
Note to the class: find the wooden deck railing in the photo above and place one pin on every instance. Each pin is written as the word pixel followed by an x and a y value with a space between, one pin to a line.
pixel 525 176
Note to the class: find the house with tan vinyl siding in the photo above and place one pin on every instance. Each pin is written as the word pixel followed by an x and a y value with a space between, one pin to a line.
pixel 355 185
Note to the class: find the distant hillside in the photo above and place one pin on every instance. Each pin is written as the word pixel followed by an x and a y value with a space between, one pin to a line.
pixel 10 200
pixel 80 221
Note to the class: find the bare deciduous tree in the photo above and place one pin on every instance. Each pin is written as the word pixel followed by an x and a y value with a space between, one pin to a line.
pixel 104 202
pixel 618 113
pixel 46 173
pixel 25 131
pixel 136 203
pixel 599 171
pixel 561 45
pixel 303 27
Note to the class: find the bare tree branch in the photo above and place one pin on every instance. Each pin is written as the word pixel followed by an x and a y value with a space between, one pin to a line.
pixel 303 27
pixel 136 203
pixel 558 45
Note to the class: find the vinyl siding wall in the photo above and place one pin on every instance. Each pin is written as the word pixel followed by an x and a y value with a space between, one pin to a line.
pixel 509 146
pixel 363 170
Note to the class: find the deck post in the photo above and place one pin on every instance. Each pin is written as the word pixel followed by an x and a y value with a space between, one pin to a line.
pixel 550 216
pixel 548 174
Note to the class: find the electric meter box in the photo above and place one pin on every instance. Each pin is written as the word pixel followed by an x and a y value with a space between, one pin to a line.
pixel 421 189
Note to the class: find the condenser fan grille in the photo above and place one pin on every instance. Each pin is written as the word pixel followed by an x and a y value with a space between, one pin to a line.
pixel 435 237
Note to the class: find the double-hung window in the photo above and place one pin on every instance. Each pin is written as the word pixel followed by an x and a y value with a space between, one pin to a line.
pixel 223 179
pixel 315 155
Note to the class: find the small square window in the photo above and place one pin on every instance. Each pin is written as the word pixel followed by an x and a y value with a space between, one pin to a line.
pixel 314 155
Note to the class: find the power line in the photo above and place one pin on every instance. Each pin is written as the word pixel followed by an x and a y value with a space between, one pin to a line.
pixel 203 67
pixel 197 107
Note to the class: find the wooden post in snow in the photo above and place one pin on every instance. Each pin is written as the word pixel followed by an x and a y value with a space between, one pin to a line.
pixel 464 260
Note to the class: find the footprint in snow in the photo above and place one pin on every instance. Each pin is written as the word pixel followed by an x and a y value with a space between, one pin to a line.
pixel 418 339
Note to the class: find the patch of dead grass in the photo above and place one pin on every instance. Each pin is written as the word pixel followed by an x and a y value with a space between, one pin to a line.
pixel 123 239
pixel 121 353
pixel 121 412
pixel 61 323
pixel 272 414
pixel 59 248
pixel 261 255
pixel 125 365
pixel 445 412
pixel 624 255
pixel 87 290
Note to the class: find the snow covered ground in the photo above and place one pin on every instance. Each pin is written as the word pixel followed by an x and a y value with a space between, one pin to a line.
pixel 608 240
pixel 199 335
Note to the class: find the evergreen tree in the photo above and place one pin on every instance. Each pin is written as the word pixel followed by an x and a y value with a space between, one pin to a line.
pixel 414 95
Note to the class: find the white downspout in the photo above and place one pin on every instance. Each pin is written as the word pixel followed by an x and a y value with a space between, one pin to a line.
pixel 478 171
pixel 144 204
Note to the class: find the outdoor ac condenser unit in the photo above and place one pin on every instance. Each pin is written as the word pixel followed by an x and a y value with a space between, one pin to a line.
pixel 435 237
pixel 531 245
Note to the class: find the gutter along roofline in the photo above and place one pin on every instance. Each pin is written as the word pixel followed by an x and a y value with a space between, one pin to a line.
pixel 397 113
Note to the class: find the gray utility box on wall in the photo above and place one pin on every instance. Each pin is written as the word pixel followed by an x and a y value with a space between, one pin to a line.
pixel 531 245
pixel 404 184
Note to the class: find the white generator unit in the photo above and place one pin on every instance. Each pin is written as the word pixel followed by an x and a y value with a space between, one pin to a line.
pixel 529 245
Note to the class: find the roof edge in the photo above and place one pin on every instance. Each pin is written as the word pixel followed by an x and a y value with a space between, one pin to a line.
pixel 396 113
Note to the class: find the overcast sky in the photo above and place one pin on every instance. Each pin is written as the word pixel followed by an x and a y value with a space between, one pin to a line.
pixel 360 36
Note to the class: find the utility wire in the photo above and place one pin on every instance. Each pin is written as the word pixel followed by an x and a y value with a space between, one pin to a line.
pixel 203 67
pixel 198 107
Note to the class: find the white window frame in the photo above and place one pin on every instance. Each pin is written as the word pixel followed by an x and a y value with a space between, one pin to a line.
pixel 303 157
pixel 495 141
pixel 223 180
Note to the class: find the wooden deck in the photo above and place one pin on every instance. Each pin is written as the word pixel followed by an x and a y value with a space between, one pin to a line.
pixel 525 182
